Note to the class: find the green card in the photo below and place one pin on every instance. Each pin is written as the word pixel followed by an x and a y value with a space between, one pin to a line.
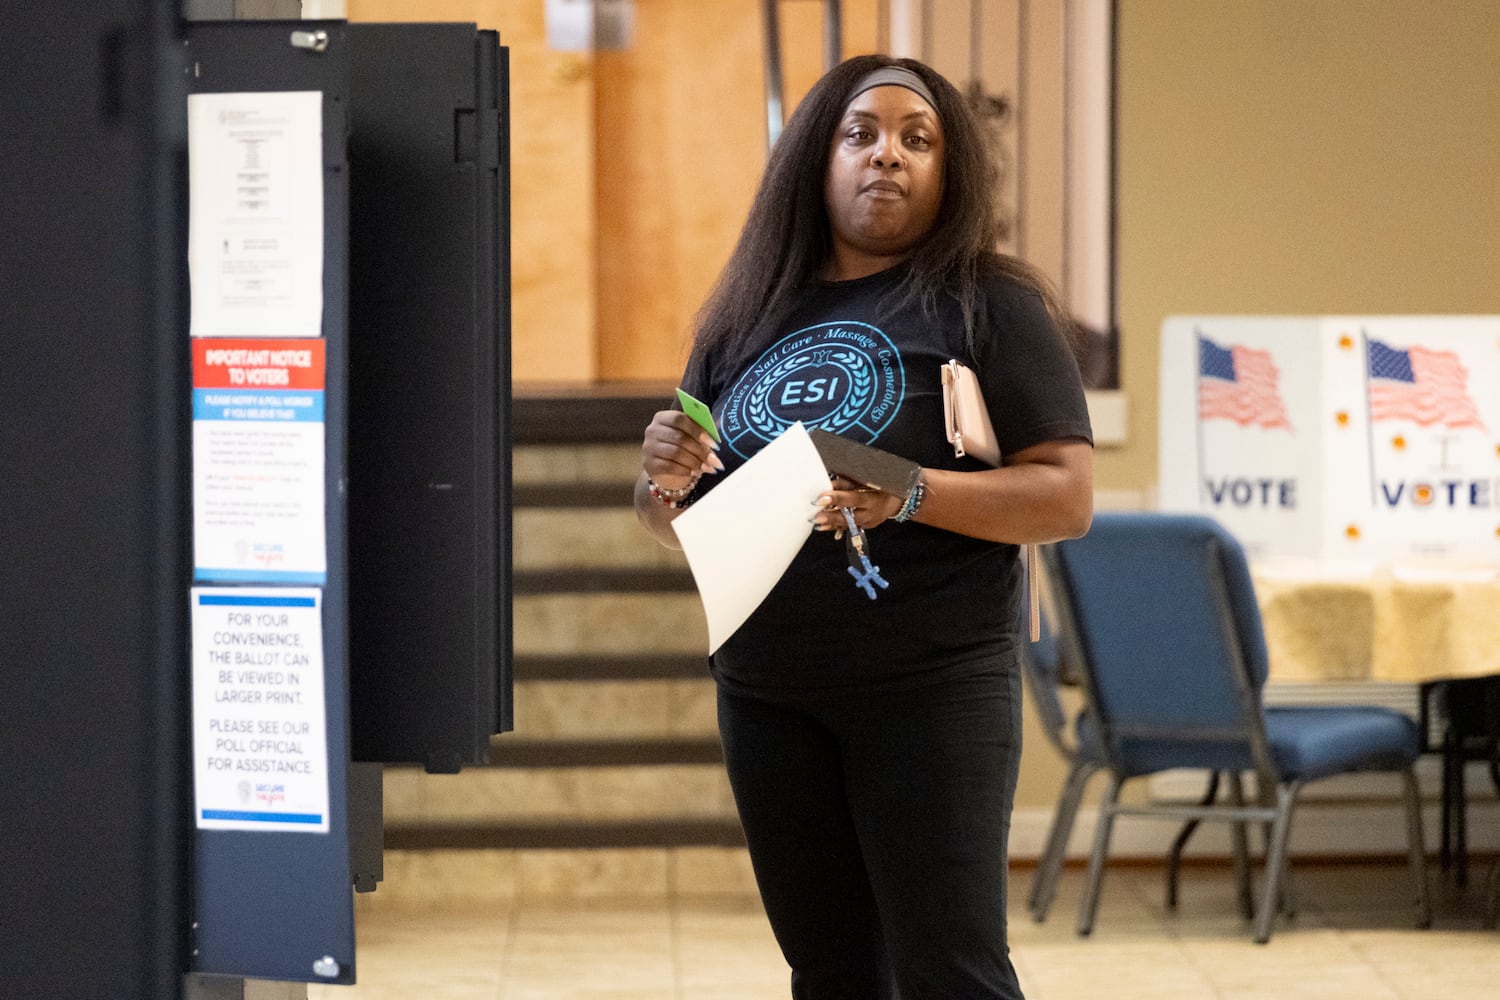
pixel 699 412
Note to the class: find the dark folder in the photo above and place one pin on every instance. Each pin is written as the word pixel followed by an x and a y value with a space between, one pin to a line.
pixel 879 470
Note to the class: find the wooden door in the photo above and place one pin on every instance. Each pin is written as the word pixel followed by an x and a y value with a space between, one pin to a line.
pixel 632 170
pixel 553 282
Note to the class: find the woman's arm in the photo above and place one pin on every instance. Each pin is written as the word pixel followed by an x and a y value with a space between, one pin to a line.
pixel 674 454
pixel 1040 494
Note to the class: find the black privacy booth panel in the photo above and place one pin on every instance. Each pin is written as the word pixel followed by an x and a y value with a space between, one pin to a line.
pixel 415 607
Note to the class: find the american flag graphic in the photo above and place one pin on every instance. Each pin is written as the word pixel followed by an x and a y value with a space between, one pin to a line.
pixel 1425 387
pixel 1240 384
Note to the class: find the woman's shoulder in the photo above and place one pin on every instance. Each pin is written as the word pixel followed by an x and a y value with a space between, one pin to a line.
pixel 1020 308
pixel 1011 283
pixel 1013 300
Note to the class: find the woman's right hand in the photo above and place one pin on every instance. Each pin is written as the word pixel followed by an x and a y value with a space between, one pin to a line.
pixel 676 450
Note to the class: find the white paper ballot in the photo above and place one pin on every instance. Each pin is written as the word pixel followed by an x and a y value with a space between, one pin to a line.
pixel 255 214
pixel 743 535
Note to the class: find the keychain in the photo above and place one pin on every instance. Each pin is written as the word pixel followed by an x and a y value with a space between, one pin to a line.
pixel 865 575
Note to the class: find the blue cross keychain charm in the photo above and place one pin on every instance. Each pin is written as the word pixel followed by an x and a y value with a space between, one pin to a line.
pixel 866 576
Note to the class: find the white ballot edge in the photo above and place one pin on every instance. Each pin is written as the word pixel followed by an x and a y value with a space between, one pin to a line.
pixel 740 538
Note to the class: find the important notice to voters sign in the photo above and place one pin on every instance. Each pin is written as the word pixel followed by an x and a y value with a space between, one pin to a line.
pixel 258 439
pixel 260 742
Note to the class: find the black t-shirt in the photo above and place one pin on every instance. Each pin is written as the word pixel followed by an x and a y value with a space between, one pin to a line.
pixel 856 361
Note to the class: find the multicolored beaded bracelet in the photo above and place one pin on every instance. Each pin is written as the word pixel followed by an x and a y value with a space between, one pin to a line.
pixel 672 499
pixel 913 502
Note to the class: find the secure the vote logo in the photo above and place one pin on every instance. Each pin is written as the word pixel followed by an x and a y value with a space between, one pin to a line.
pixel 844 377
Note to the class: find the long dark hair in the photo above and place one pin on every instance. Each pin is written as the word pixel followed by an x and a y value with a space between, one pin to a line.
pixel 787 236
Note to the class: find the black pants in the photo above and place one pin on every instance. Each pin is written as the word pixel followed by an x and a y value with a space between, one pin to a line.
pixel 877 826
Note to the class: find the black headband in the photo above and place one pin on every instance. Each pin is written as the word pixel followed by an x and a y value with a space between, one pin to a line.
pixel 894 76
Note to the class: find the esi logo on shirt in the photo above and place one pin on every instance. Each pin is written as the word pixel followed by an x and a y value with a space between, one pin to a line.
pixel 845 378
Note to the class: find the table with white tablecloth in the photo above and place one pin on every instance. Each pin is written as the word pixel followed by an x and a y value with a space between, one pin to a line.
pixel 1438 629
pixel 1414 626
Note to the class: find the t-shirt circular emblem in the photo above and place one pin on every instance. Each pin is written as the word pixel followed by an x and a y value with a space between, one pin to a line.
pixel 845 378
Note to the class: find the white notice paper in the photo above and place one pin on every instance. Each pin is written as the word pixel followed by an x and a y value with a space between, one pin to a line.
pixel 258 460
pixel 743 535
pixel 255 214
pixel 260 741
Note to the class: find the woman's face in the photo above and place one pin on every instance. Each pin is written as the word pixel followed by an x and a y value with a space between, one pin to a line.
pixel 885 180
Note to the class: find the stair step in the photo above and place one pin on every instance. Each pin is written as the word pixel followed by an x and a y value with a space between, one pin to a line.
pixel 556 415
pixel 607 667
pixel 645 709
pixel 554 794
pixel 570 495
pixel 520 753
pixel 499 866
pixel 609 624
pixel 613 464
pixel 603 579
pixel 660 832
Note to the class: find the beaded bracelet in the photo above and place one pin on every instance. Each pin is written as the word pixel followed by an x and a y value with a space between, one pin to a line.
pixel 913 502
pixel 672 499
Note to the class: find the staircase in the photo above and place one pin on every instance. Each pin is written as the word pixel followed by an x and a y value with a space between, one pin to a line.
pixel 615 744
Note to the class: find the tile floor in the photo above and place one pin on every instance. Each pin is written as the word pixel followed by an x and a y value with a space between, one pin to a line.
pixel 1353 938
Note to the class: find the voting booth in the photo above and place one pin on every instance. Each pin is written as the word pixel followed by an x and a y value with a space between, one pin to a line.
pixel 348 341
pixel 1358 440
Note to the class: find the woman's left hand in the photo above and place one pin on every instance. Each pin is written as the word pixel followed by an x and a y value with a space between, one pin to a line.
pixel 870 507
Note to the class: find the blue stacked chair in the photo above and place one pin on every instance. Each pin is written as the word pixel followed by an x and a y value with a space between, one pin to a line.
pixel 1044 664
pixel 1169 640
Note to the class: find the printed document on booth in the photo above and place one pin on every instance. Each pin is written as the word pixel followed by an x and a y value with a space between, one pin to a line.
pixel 255 214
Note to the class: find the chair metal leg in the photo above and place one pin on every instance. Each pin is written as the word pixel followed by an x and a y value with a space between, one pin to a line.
pixel 1090 902
pixel 1287 890
pixel 1416 850
pixel 1239 835
pixel 1445 848
pixel 1456 795
pixel 1492 718
pixel 1281 828
pixel 1174 856
pixel 1049 866
pixel 1286 902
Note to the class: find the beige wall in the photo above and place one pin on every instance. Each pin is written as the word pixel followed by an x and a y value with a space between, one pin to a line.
pixel 1294 157
pixel 1300 157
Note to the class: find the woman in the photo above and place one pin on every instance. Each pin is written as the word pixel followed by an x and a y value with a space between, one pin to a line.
pixel 873 746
